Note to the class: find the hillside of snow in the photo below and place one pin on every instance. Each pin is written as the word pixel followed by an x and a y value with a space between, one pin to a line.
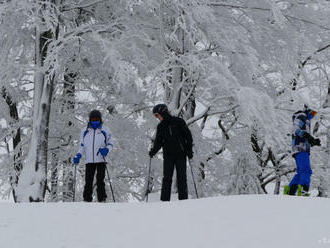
pixel 251 221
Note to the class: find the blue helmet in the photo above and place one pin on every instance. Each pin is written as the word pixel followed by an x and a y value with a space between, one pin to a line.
pixel 309 112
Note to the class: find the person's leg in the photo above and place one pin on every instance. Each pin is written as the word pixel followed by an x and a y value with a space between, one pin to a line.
pixel 89 178
pixel 168 169
pixel 101 194
pixel 305 170
pixel 295 180
pixel 181 174
pixel 294 184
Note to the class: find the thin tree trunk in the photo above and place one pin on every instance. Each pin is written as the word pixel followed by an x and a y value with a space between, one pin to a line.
pixel 68 106
pixel 324 185
pixel 54 191
pixel 17 166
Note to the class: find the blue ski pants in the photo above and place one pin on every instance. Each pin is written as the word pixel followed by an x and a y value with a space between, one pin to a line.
pixel 304 171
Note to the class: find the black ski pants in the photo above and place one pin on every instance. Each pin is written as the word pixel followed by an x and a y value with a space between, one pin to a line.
pixel 180 165
pixel 89 177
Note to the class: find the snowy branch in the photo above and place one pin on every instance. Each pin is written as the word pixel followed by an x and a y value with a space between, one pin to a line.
pixel 276 176
pixel 267 9
pixel 207 112
pixel 81 6
pixel 184 102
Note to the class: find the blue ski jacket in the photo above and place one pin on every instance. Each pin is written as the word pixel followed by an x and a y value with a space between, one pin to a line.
pixel 301 126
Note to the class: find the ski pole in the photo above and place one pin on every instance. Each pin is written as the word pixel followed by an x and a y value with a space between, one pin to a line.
pixel 148 183
pixel 193 178
pixel 74 182
pixel 113 195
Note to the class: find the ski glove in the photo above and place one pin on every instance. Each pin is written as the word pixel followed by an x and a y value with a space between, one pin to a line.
pixel 190 154
pixel 312 140
pixel 104 151
pixel 316 142
pixel 77 158
pixel 151 154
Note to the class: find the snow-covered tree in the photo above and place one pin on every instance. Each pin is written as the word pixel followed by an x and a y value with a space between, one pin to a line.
pixel 235 70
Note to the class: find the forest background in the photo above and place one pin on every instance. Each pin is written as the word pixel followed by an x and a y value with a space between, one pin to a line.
pixel 235 70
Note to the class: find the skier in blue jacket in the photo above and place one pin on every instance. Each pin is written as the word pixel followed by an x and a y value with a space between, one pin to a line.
pixel 302 141
pixel 95 145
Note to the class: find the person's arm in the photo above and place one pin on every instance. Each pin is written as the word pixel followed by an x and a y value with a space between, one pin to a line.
pixel 299 126
pixel 186 133
pixel 300 130
pixel 158 143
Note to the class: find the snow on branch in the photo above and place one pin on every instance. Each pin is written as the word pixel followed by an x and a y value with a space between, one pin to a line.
pixel 184 102
pixel 276 176
pixel 267 9
pixel 236 6
pixel 207 113
pixel 82 5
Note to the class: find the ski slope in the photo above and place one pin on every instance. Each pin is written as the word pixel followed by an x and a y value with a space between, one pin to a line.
pixel 250 221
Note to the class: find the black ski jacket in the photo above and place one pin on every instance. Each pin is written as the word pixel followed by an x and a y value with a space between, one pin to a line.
pixel 174 136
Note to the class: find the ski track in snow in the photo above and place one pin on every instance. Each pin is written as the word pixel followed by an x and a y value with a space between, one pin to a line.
pixel 249 221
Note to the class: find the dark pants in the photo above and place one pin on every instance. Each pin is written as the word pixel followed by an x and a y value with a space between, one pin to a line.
pixel 89 177
pixel 179 163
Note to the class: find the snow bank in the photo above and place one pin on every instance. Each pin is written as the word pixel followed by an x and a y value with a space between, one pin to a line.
pixel 255 221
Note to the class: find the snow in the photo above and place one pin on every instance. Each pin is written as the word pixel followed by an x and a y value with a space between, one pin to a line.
pixel 232 221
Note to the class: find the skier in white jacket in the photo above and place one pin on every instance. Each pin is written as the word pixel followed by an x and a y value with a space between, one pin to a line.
pixel 95 146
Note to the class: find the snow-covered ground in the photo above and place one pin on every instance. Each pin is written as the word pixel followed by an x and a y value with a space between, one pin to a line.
pixel 254 221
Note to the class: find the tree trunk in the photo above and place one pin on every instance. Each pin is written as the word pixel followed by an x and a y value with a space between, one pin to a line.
pixel 33 180
pixel 324 185
pixel 17 166
pixel 54 191
pixel 68 106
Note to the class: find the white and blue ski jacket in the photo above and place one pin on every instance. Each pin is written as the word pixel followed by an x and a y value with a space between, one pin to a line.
pixel 301 125
pixel 92 140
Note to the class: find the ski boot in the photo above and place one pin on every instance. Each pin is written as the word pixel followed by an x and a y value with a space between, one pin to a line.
pixel 303 190
pixel 286 190
pixel 290 190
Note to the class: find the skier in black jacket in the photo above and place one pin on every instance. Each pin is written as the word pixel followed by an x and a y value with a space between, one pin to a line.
pixel 174 136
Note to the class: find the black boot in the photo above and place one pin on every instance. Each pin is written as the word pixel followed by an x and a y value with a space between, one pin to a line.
pixel 303 190
pixel 293 189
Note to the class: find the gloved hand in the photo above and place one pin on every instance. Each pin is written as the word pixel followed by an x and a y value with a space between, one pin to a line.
pixel 312 140
pixel 77 158
pixel 104 151
pixel 151 154
pixel 190 154
pixel 316 142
